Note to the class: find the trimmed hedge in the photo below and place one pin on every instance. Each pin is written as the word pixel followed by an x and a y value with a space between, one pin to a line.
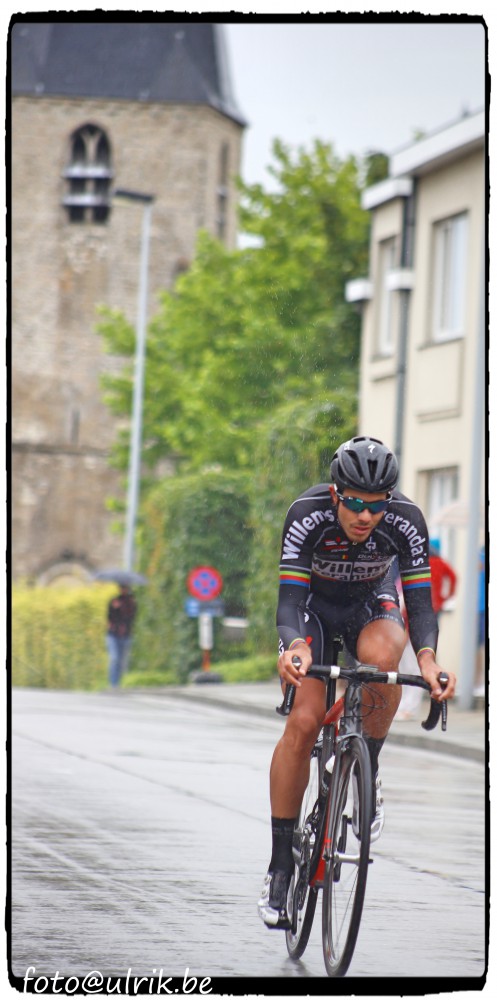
pixel 58 637
pixel 249 670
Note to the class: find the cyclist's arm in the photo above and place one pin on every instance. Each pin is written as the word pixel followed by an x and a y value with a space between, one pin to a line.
pixel 293 593
pixel 295 578
pixel 423 632
pixel 421 618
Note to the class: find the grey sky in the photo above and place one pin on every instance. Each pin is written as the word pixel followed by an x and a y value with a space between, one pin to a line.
pixel 360 86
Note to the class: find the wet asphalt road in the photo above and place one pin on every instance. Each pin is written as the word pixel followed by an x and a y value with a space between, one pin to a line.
pixel 140 837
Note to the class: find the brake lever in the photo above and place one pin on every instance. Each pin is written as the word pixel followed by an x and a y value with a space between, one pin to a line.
pixel 290 691
pixel 437 708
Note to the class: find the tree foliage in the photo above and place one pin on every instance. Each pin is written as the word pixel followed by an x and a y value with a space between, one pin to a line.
pixel 245 331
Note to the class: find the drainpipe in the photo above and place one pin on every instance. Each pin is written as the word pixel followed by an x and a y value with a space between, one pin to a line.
pixel 406 263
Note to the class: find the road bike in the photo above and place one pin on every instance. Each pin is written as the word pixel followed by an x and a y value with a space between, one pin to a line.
pixel 331 842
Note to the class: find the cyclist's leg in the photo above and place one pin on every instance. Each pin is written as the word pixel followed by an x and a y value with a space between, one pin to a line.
pixel 289 772
pixel 377 636
pixel 381 642
pixel 290 764
pixel 289 776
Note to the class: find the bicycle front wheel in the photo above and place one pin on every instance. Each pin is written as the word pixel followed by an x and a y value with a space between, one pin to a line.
pixel 302 897
pixel 349 832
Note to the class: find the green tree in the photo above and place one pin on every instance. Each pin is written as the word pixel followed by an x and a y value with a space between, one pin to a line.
pixel 376 168
pixel 246 331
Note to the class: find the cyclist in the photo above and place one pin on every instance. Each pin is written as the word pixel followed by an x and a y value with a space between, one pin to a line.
pixel 337 576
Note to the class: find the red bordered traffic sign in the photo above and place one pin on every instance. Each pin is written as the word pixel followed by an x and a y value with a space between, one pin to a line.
pixel 204 582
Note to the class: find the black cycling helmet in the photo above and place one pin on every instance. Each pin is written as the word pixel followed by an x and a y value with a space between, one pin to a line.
pixel 364 463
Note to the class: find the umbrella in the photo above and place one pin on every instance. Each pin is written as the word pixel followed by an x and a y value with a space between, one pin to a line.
pixel 124 577
pixel 455 515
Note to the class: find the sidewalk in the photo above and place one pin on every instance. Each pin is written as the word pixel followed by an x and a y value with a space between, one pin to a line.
pixel 465 735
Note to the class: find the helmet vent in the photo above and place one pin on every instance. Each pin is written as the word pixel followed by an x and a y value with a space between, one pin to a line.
pixel 373 466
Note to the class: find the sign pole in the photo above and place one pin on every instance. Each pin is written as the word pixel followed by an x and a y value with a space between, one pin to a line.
pixel 204 584
pixel 205 639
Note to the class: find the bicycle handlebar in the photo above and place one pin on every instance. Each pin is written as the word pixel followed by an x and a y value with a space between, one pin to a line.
pixel 368 674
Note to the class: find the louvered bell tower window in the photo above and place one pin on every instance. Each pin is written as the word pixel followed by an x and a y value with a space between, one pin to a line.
pixel 88 176
pixel 222 192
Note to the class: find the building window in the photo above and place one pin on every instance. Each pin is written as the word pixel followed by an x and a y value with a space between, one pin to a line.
pixel 88 176
pixel 385 338
pixel 222 192
pixel 450 238
pixel 442 492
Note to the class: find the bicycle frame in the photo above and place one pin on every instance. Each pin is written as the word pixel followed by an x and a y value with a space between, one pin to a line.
pixel 342 722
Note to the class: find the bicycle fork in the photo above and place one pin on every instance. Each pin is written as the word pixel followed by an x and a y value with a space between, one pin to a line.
pixel 334 847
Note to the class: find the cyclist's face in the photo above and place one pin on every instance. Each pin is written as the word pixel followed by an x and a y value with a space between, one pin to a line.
pixel 357 525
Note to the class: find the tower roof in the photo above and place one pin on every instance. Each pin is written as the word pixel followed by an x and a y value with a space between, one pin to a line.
pixel 156 61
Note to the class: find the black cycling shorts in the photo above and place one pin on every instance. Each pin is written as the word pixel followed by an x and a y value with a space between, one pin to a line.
pixel 324 621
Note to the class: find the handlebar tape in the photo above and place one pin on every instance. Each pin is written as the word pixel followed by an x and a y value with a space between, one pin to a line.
pixel 437 708
pixel 290 691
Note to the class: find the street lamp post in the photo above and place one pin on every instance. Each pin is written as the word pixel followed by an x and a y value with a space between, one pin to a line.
pixel 141 334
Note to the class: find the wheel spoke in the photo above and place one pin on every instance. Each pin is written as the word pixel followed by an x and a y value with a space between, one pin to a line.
pixel 347 868
pixel 303 897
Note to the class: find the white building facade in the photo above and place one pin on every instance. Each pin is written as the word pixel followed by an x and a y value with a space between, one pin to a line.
pixel 423 361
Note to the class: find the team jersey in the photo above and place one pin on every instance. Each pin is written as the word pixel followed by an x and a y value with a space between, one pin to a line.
pixel 318 559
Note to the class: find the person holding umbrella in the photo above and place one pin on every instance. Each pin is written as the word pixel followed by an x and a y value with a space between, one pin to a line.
pixel 121 612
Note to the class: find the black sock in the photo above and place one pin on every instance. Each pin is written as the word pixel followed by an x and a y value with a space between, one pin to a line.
pixel 374 746
pixel 282 857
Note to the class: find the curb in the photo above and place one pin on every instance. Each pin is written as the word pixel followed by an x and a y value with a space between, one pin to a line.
pixel 421 742
pixel 436 745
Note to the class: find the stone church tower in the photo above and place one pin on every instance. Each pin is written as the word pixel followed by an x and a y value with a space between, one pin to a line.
pixel 95 107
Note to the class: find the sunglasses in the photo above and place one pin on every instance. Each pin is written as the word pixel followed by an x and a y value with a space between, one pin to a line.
pixel 358 505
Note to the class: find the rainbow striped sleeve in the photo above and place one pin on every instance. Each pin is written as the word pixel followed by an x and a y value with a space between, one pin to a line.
pixel 297 577
pixel 414 579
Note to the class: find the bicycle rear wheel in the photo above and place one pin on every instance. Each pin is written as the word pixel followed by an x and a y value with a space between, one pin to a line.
pixel 347 868
pixel 302 897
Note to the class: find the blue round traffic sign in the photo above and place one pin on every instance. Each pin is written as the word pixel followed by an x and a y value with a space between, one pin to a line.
pixel 204 583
